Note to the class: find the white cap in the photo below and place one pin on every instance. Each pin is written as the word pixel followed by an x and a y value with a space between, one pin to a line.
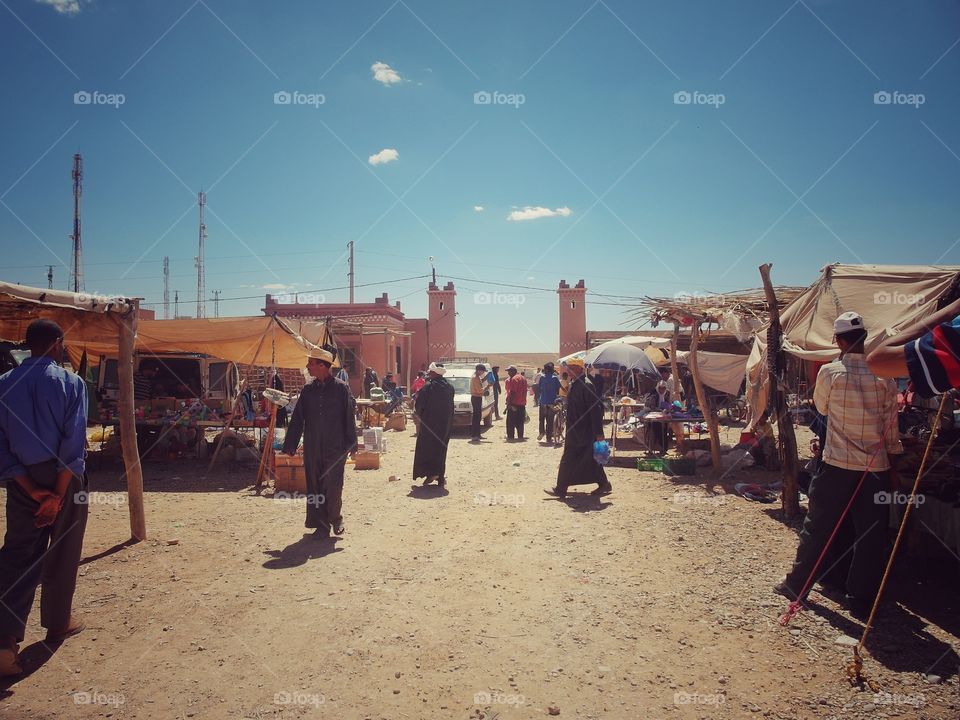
pixel 846 322
pixel 437 368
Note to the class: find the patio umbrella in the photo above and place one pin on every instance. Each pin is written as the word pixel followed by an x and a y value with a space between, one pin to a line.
pixel 621 357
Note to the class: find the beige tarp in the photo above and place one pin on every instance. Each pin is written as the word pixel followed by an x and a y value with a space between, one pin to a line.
pixel 721 371
pixel 83 317
pixel 889 297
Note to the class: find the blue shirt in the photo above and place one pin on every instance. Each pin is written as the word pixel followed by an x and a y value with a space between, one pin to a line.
pixel 43 415
pixel 549 389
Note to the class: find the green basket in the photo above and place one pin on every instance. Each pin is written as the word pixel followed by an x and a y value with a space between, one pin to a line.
pixel 679 466
pixel 650 464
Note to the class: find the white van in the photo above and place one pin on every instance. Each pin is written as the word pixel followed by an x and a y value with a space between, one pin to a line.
pixel 183 375
pixel 459 377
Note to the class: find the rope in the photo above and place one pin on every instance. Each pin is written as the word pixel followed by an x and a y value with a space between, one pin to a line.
pixel 855 669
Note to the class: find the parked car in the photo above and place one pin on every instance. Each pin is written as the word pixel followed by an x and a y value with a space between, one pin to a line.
pixel 459 377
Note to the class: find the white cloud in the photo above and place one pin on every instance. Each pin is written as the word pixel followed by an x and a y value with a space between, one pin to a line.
pixel 385 74
pixel 478 208
pixel 384 156
pixel 534 213
pixel 67 7
pixel 277 286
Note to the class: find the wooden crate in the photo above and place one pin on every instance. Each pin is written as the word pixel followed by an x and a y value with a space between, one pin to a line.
pixel 289 474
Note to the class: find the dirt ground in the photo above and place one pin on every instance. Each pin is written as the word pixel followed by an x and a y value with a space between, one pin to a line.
pixel 491 601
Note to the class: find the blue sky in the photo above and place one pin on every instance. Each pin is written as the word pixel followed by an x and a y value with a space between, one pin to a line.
pixel 784 152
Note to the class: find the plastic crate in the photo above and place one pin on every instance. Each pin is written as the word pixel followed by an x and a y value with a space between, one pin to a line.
pixel 679 466
pixel 650 464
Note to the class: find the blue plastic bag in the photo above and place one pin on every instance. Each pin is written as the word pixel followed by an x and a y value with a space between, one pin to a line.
pixel 601 452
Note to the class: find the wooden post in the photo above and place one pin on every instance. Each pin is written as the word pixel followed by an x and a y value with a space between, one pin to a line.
pixel 128 422
pixel 702 398
pixel 673 361
pixel 788 440
pixel 267 445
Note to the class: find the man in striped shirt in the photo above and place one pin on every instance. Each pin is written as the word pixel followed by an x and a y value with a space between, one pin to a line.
pixel 862 437
pixel 928 352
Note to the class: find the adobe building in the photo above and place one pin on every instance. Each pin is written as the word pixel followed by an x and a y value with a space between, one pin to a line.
pixel 380 336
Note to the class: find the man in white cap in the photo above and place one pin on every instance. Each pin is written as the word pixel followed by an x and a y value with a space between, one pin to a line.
pixel 434 408
pixel 325 417
pixel 861 441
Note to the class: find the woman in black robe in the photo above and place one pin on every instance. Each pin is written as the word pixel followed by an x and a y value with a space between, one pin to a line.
pixel 434 408
pixel 584 427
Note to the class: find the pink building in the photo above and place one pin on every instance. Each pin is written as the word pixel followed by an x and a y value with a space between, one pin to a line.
pixel 380 336
pixel 573 318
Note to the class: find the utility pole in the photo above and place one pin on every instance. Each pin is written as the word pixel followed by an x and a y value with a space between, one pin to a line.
pixel 76 272
pixel 166 288
pixel 49 277
pixel 201 304
pixel 350 274
pixel 216 303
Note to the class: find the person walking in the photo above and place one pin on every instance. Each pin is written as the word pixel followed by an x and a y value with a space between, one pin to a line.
pixel 370 380
pixel 536 387
pixel 549 392
pixel 478 388
pixel 325 417
pixel 861 443
pixel 584 427
pixel 516 406
pixel 43 425
pixel 434 409
pixel 493 377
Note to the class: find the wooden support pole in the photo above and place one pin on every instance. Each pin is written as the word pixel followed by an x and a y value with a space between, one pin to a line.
pixel 708 414
pixel 267 445
pixel 128 423
pixel 673 361
pixel 778 401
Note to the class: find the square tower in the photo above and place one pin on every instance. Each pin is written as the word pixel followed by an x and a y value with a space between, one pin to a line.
pixel 441 321
pixel 573 318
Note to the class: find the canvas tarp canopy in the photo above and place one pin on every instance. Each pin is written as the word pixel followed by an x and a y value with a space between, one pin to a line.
pixel 259 340
pixel 889 297
pixel 721 371
pixel 83 317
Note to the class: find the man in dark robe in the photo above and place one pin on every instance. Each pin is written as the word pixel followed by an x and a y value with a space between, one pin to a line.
pixel 584 427
pixel 434 408
pixel 325 417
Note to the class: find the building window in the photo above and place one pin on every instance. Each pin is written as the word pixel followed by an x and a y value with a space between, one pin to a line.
pixel 573 304
pixel 441 304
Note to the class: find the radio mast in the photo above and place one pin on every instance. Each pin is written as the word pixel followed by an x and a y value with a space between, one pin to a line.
pixel 76 271
pixel 166 288
pixel 201 303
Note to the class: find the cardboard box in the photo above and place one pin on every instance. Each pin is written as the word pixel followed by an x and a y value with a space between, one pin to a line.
pixel 396 421
pixel 289 474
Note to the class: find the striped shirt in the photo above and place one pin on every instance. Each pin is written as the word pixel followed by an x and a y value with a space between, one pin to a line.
pixel 142 387
pixel 861 412
pixel 934 359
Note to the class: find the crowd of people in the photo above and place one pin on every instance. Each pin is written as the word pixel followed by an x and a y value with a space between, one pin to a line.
pixel 43 421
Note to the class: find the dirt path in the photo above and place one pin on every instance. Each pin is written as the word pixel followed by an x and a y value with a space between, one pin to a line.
pixel 494 601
